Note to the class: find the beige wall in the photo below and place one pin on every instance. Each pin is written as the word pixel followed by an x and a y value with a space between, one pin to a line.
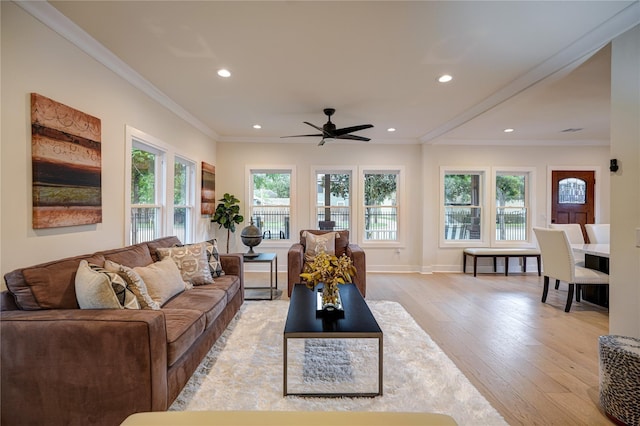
pixel 36 59
pixel 231 176
pixel 624 292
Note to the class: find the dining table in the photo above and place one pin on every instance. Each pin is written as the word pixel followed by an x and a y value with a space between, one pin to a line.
pixel 596 256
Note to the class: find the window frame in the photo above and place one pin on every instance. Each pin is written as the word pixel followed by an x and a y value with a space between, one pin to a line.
pixel 249 171
pixel 352 172
pixel 135 138
pixel 485 173
pixel 530 190
pixel 190 204
pixel 360 223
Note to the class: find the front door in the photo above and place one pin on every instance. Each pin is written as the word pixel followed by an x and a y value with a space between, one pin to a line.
pixel 573 197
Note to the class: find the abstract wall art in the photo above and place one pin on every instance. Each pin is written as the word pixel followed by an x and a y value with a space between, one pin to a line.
pixel 66 165
pixel 208 199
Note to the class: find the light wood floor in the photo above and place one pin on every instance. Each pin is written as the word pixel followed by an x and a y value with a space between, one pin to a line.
pixel 536 364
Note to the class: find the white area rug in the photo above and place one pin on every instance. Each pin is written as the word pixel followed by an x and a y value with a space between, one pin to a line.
pixel 243 371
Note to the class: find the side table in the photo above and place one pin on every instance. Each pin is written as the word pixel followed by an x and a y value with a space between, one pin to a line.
pixel 272 260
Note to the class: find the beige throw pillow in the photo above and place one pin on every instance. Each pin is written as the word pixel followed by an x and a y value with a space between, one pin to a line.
pixel 97 288
pixel 135 283
pixel 163 280
pixel 315 244
pixel 191 260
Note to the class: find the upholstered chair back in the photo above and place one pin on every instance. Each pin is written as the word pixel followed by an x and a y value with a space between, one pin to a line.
pixel 557 256
pixel 573 230
pixel 598 233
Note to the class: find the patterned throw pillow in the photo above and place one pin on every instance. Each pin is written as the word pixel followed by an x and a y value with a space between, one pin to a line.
pixel 97 288
pixel 191 260
pixel 135 284
pixel 314 244
pixel 213 257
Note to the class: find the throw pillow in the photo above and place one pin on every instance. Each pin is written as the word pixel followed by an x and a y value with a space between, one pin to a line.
pixel 191 260
pixel 135 283
pixel 97 288
pixel 213 257
pixel 163 280
pixel 315 244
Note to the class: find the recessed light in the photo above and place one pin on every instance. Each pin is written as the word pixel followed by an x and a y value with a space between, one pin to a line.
pixel 391 129
pixel 508 130
pixel 445 78
pixel 224 73
pixel 257 126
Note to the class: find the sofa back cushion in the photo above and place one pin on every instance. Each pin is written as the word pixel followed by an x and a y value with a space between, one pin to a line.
pixel 49 285
pixel 342 239
pixel 131 256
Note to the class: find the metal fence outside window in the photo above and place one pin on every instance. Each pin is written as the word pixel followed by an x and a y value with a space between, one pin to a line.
pixel 511 224
pixel 272 221
pixel 180 215
pixel 381 223
pixel 462 224
pixel 339 218
pixel 145 223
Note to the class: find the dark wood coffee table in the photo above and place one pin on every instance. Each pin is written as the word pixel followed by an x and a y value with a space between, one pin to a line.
pixel 358 323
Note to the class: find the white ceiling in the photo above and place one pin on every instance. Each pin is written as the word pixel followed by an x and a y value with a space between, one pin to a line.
pixel 515 64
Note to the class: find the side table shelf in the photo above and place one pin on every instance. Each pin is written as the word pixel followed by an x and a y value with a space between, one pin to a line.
pixel 272 260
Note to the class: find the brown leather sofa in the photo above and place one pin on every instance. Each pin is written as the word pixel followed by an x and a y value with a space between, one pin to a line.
pixel 62 365
pixel 295 259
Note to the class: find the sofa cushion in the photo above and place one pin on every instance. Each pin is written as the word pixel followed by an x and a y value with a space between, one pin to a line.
pixel 131 256
pixel 97 288
pixel 191 260
pixel 315 244
pixel 230 284
pixel 205 299
pixel 184 326
pixel 135 283
pixel 51 285
pixel 154 245
pixel 162 279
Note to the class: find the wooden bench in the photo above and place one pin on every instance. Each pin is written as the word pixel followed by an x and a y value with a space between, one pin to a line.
pixel 495 253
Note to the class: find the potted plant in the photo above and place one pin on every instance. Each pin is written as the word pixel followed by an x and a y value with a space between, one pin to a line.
pixel 227 215
pixel 331 271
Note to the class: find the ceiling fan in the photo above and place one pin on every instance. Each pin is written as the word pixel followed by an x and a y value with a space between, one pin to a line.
pixel 330 133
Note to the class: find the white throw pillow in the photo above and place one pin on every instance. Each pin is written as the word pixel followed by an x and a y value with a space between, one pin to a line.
pixel 163 280
pixel 97 288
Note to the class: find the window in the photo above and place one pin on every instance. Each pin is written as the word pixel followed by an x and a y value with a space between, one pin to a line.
pixel 162 189
pixel 270 194
pixel 183 199
pixel 146 192
pixel 572 191
pixel 463 200
pixel 381 206
pixel 333 207
pixel 512 206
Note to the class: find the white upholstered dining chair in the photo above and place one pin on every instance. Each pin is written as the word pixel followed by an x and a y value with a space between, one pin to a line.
pixel 558 262
pixel 574 232
pixel 598 233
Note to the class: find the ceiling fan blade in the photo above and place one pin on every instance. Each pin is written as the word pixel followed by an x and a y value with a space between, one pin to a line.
pixel 354 137
pixel 352 129
pixel 302 136
pixel 314 126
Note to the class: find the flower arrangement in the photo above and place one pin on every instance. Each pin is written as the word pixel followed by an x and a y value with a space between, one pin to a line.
pixel 331 271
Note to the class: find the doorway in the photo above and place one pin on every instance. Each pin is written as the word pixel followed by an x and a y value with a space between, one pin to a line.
pixel 573 197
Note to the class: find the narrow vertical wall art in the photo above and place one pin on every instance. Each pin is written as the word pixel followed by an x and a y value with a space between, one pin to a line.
pixel 208 199
pixel 66 165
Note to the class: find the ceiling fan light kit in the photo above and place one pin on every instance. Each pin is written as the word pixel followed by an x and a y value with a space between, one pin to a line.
pixel 329 132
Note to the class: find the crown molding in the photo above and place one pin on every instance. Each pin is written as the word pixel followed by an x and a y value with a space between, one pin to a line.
pixel 54 19
pixel 521 142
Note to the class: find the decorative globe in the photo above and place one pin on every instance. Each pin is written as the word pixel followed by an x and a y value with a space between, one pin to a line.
pixel 251 236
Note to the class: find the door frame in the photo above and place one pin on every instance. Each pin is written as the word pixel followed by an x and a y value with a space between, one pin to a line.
pixel 597 170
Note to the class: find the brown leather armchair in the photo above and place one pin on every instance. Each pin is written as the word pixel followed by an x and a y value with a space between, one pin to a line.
pixel 295 259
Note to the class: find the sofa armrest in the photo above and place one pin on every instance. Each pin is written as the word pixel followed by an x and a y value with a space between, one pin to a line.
pixel 233 264
pixel 357 256
pixel 295 260
pixel 76 366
